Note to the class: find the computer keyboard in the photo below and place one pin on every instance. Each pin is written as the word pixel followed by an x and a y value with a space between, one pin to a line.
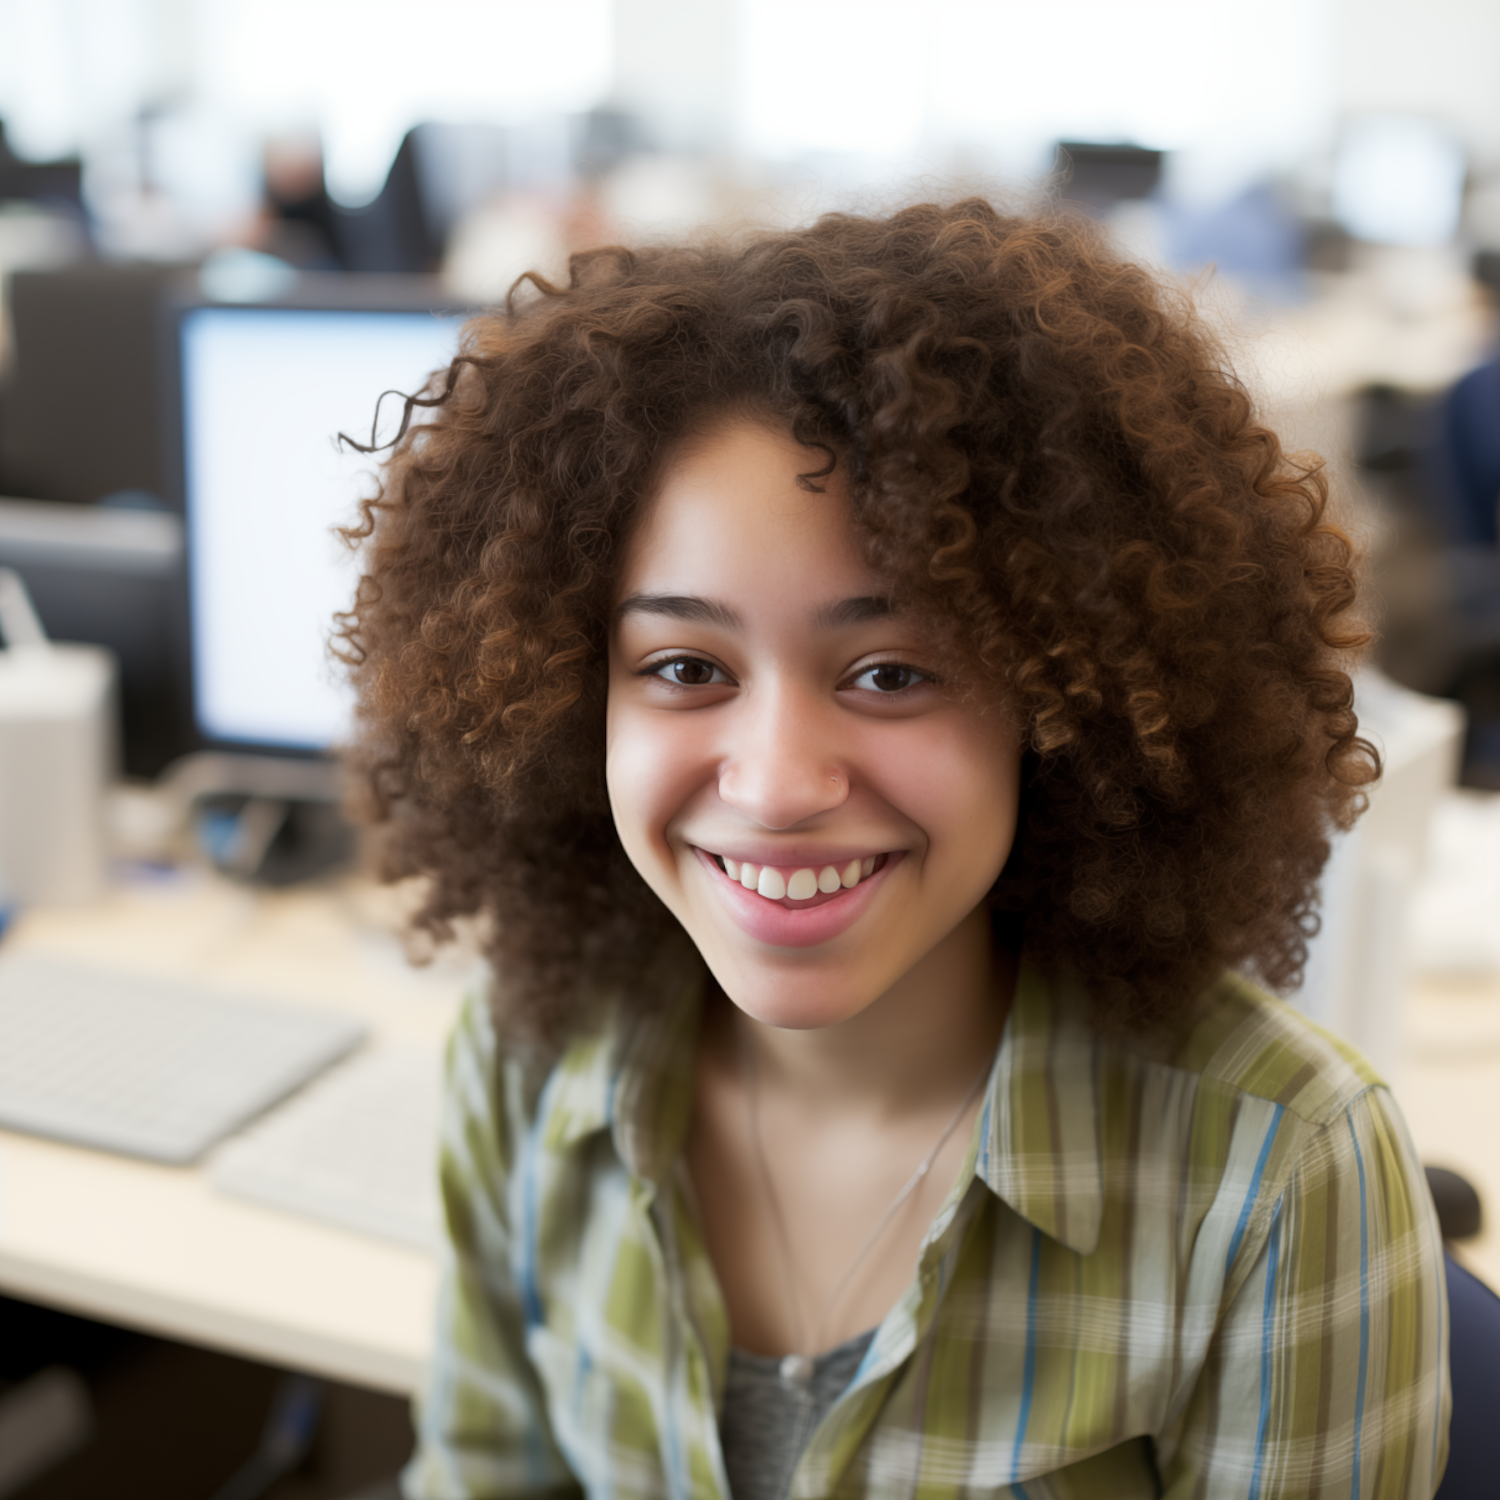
pixel 145 1067
pixel 358 1149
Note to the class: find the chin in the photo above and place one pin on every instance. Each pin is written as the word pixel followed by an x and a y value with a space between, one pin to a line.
pixel 796 1012
pixel 807 998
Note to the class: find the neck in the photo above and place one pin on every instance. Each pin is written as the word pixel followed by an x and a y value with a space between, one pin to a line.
pixel 920 1043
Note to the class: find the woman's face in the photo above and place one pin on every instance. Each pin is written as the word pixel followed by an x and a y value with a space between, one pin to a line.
pixel 786 767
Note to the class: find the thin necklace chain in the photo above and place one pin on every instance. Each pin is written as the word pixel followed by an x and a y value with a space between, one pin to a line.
pixel 794 1368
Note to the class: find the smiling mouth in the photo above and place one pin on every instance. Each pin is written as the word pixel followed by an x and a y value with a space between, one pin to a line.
pixel 800 885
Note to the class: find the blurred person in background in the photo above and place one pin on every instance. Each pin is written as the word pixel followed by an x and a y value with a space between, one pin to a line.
pixel 300 223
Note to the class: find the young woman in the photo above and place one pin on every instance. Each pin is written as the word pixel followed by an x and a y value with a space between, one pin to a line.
pixel 885 696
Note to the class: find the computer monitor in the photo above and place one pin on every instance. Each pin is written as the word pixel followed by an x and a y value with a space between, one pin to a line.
pixel 81 414
pixel 265 391
pixel 1099 175
pixel 110 577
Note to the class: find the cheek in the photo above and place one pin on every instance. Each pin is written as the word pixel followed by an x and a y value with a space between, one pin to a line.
pixel 653 768
pixel 961 786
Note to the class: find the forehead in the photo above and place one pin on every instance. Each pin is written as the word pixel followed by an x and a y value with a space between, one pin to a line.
pixel 728 511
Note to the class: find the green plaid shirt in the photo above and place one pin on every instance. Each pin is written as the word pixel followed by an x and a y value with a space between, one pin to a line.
pixel 1197 1265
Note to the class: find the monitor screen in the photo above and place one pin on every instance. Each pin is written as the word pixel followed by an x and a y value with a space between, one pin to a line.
pixel 265 391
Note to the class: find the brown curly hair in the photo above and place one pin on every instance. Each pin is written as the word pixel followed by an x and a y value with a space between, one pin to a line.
pixel 1042 445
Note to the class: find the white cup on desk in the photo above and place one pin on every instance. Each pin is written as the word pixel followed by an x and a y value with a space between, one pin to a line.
pixel 57 751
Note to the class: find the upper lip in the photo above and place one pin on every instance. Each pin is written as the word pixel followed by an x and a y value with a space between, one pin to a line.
pixel 795 856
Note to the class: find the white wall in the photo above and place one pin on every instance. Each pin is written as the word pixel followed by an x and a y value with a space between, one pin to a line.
pixel 366 70
pixel 1433 57
pixel 675 66
pixel 1237 86
pixel 70 68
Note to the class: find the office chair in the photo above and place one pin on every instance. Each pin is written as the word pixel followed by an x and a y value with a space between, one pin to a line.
pixel 55 184
pixel 1473 1471
pixel 393 234
pixel 1460 485
pixel 1473 1350
pixel 1465 459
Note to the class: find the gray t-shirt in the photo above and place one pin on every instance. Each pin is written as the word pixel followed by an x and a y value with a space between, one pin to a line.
pixel 767 1422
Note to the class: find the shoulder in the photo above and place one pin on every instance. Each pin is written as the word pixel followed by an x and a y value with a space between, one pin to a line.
pixel 1241 1040
pixel 1324 1151
pixel 618 1069
pixel 1246 1105
pixel 493 1076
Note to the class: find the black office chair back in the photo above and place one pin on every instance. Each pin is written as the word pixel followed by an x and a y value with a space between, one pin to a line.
pixel 1463 463
pixel 1473 1471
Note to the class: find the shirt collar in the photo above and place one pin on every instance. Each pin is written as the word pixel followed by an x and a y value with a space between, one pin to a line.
pixel 1038 1133
pixel 1037 1140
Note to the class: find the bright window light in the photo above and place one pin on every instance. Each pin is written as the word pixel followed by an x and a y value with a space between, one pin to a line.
pixel 828 75
pixel 71 68
pixel 1398 181
pixel 1241 80
pixel 364 71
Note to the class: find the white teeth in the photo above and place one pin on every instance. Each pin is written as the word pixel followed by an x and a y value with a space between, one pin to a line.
pixel 800 885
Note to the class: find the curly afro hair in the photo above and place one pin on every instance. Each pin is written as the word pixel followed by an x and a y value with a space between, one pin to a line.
pixel 1043 447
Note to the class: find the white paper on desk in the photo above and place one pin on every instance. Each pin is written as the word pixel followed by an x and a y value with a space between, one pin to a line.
pixel 358 1149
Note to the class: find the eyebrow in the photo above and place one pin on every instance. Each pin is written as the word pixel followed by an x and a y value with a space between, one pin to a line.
pixel 701 611
pixel 854 611
pixel 679 607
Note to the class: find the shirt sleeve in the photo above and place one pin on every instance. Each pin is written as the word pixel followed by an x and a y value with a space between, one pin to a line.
pixel 1328 1373
pixel 482 1429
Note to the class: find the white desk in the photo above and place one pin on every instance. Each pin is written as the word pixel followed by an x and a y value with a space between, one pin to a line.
pixel 158 1248
pixel 1448 1086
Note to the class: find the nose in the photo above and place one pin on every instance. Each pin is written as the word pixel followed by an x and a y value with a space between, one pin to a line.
pixel 783 764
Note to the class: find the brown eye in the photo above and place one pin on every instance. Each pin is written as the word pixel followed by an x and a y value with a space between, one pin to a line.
pixel 888 677
pixel 689 671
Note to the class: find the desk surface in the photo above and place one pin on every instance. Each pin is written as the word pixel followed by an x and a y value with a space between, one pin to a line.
pixel 1448 1087
pixel 157 1247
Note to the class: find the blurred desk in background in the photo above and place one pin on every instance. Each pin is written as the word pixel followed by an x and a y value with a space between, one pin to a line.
pixel 160 1249
pixel 1446 1070
pixel 1449 1088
